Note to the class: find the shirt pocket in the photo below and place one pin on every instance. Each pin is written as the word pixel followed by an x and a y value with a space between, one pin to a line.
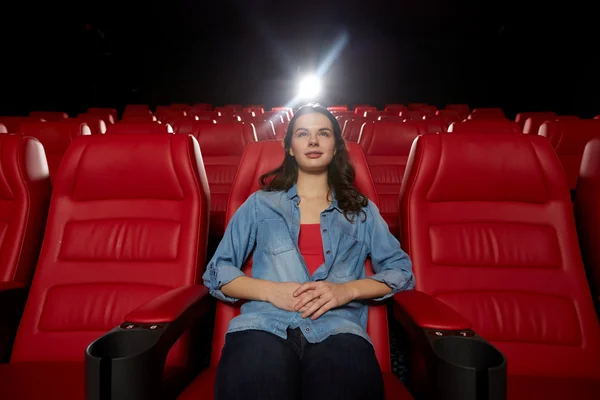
pixel 274 236
pixel 347 257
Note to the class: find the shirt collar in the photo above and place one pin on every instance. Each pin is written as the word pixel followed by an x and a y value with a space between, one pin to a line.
pixel 292 194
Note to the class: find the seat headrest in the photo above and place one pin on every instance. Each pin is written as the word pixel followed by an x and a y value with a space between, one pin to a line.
pixel 3 128
pixel 22 159
pixel 569 136
pixel 458 167
pixel 390 138
pixel 143 166
pixel 262 157
pixel 485 125
pixel 221 139
pixel 55 136
pixel 137 128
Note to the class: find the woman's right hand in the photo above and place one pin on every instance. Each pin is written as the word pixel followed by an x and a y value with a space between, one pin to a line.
pixel 281 295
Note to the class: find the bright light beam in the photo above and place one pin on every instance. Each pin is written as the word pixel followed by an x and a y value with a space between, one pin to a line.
pixel 309 88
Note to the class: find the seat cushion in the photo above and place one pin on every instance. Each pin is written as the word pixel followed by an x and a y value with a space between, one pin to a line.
pixel 551 388
pixel 203 387
pixel 42 380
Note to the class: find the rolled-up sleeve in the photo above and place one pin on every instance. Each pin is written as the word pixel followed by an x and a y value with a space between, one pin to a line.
pixel 233 250
pixel 391 264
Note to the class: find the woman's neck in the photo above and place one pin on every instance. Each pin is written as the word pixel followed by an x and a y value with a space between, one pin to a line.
pixel 312 185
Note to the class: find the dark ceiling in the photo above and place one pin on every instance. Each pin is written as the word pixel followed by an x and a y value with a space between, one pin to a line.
pixel 518 55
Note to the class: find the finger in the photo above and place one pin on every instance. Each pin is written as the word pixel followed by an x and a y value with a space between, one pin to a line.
pixel 304 287
pixel 306 307
pixel 318 304
pixel 308 297
pixel 326 307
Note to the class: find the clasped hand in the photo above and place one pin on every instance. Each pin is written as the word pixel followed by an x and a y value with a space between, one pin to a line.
pixel 312 299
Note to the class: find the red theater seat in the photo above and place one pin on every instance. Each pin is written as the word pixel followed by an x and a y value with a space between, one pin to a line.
pixel 138 128
pixel 3 128
pixel 263 130
pixel 96 123
pixel 24 199
pixel 258 159
pixel 49 115
pixel 522 117
pixel 127 224
pixel 352 128
pixel 569 137
pixel 411 115
pixel 222 148
pixel 387 146
pixel 55 137
pixel 12 124
pixel 487 221
pixel 587 213
pixel 485 126
pixel 486 113
pixel 102 112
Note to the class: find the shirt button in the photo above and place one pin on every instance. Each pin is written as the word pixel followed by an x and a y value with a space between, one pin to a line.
pixel 307 329
pixel 324 230
pixel 328 252
pixel 324 216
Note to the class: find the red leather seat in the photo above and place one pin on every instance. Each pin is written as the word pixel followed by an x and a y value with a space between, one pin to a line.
pixel 127 223
pixel 222 148
pixel 55 137
pixel 412 115
pixel 262 130
pixel 532 124
pixel 487 221
pixel 387 146
pixel 102 112
pixel 522 117
pixel 491 112
pixel 49 115
pixel 12 123
pixel 569 137
pixel 259 158
pixel 587 213
pixel 138 127
pixel 352 129
pixel 24 199
pixel 485 126
pixel 96 123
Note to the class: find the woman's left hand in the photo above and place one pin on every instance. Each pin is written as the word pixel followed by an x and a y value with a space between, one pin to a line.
pixel 316 298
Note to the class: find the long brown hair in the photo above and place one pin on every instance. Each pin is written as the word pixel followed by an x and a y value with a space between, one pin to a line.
pixel 340 173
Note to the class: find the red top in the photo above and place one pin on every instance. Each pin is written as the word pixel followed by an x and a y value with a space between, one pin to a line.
pixel 310 244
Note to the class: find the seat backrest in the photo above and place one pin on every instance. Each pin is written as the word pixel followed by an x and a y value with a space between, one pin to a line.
pixel 138 127
pixel 387 146
pixel 488 223
pixel 352 128
pixel 258 159
pixel 3 128
pixel 485 126
pixel 55 137
pixel 490 112
pixel 24 201
pixel 523 116
pixel 222 148
pixel 128 222
pixel 49 115
pixel 587 213
pixel 569 137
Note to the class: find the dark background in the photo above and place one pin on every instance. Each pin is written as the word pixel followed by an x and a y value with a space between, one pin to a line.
pixel 522 56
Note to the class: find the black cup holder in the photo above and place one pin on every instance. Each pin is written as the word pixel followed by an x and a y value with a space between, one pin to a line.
pixel 122 365
pixel 468 368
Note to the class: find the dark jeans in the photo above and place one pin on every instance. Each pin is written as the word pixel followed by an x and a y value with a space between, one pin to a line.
pixel 260 365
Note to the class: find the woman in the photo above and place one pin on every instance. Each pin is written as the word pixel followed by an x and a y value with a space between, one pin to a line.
pixel 302 332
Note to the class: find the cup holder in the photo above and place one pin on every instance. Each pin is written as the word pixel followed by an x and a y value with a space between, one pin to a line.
pixel 120 344
pixel 468 368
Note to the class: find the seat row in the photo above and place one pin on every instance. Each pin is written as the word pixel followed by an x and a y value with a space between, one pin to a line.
pixel 501 304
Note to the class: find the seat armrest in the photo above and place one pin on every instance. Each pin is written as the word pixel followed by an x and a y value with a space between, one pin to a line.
pixel 428 312
pixel 128 362
pixel 448 359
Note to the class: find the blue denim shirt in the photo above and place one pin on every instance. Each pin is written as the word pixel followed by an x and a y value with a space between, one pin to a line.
pixel 268 223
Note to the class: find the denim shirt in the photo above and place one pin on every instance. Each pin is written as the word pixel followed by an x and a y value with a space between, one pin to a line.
pixel 268 224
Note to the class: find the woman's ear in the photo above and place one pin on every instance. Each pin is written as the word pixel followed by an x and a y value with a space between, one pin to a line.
pixel 291 152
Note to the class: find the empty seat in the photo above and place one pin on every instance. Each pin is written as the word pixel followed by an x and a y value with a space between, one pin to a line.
pixel 486 113
pixel 24 199
pixel 12 123
pixel 361 109
pixel 103 112
pixel 3 128
pixel 569 137
pixel 137 127
pixel 258 159
pixel 352 129
pixel 485 125
pixel 55 137
pixel 523 116
pixel 263 130
pixel 532 124
pixel 222 148
pixel 587 213
pixel 49 115
pixel 411 115
pixel 96 123
pixel 127 224
pixel 487 221
pixel 387 146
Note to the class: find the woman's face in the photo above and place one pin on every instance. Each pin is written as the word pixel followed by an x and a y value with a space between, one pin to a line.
pixel 313 142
